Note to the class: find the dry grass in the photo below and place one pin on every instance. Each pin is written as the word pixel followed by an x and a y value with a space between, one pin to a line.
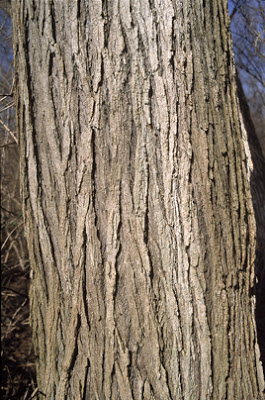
pixel 18 373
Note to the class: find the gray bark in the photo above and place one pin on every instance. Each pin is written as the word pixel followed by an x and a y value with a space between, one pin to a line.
pixel 136 178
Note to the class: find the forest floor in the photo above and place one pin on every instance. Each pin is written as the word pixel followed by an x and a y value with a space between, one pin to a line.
pixel 17 357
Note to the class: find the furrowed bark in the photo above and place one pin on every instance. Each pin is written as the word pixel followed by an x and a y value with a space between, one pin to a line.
pixel 136 184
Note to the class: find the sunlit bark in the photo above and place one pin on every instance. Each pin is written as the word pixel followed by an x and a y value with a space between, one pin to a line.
pixel 136 184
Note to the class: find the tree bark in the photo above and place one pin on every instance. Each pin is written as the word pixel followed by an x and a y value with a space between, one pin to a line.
pixel 136 173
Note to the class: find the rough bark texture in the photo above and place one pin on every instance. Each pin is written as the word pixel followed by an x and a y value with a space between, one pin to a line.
pixel 136 186
pixel 258 196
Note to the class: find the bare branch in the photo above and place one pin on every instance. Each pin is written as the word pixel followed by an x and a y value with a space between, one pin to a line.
pixel 8 130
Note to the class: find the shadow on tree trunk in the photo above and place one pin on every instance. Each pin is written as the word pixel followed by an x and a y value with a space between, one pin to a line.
pixel 258 194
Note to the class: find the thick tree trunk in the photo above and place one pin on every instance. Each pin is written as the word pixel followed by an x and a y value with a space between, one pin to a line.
pixel 136 183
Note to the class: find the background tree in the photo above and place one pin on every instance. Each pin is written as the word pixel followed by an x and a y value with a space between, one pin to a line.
pixel 16 347
pixel 137 175
pixel 248 30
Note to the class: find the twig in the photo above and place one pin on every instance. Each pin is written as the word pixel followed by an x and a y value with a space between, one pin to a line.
pixel 13 318
pixel 8 211
pixel 13 230
pixel 235 9
pixel 8 130
pixel 15 291
pixel 36 391
pixel 7 106
pixel 7 144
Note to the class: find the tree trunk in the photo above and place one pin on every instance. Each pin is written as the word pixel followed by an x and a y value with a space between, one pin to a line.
pixel 136 175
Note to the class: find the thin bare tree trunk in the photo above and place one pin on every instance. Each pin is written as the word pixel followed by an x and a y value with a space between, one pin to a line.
pixel 136 184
